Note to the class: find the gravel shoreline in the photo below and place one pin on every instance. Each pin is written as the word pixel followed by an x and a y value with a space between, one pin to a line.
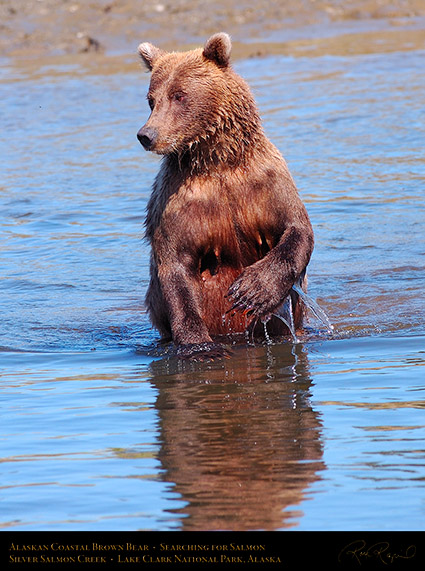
pixel 38 28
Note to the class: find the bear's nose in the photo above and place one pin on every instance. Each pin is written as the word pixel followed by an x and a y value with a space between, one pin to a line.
pixel 147 137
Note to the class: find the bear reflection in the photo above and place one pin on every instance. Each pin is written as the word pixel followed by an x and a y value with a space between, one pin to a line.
pixel 240 440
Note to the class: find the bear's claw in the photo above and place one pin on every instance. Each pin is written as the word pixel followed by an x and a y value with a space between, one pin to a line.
pixel 251 294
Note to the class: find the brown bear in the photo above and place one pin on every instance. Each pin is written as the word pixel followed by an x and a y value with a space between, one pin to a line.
pixel 229 233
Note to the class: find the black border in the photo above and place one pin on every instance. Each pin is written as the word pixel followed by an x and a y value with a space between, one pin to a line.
pixel 151 550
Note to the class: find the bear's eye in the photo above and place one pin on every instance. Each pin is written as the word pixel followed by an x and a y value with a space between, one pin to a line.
pixel 179 97
pixel 151 102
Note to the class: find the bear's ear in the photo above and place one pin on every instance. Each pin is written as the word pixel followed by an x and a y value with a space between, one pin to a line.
pixel 149 54
pixel 218 48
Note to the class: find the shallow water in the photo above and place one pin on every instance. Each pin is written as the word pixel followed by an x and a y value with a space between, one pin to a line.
pixel 103 431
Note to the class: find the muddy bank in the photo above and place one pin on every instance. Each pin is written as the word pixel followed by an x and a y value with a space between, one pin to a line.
pixel 34 28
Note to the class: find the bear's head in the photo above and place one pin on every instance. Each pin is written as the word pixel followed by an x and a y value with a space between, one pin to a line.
pixel 199 105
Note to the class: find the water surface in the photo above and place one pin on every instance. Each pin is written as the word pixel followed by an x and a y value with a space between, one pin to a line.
pixel 102 430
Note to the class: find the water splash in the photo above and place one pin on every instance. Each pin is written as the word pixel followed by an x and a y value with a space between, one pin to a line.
pixel 313 306
pixel 285 314
pixel 264 321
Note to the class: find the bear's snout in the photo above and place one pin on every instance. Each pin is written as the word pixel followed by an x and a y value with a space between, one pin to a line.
pixel 147 137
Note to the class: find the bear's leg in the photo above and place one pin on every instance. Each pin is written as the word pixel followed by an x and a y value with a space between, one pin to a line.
pixel 262 287
pixel 181 292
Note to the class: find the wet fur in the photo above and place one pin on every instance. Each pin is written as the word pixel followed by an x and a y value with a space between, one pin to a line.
pixel 228 231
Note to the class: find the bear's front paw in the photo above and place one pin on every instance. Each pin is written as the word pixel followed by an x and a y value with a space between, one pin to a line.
pixel 257 292
pixel 208 351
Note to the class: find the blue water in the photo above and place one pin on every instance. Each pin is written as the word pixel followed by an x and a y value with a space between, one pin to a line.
pixel 103 431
